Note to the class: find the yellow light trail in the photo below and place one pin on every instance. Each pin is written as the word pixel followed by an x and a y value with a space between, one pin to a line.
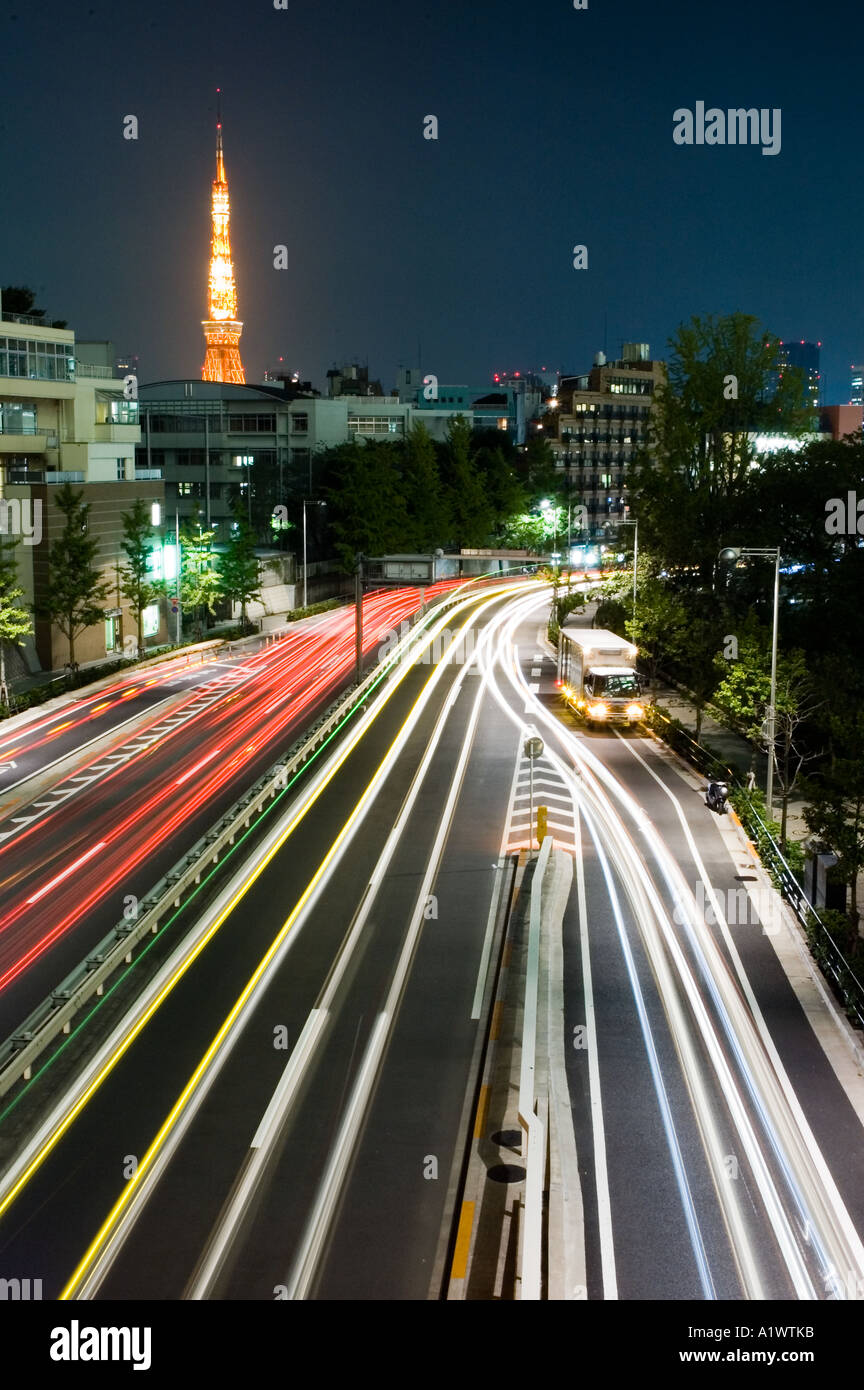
pixel 101 1238
pixel 399 673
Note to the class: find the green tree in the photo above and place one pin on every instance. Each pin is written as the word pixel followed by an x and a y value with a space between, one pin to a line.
pixel 540 475
pixel 136 584
pixel 472 516
pixel 504 491
pixel 835 813
pixel 75 595
pixel 426 504
pixel 694 479
pixel 20 299
pixel 200 586
pixel 744 686
pixel 238 567
pixel 682 633
pixel 745 691
pixel 801 492
pixel 526 531
pixel 366 501
pixel 661 626
pixel 15 621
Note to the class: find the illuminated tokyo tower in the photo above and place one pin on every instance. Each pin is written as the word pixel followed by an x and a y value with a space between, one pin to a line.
pixel 222 329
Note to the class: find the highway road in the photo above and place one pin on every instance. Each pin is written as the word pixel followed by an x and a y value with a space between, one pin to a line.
pixel 76 853
pixel 264 1128
pixel 327 933
pixel 720 1155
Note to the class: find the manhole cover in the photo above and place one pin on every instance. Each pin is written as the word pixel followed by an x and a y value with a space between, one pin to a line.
pixel 508 1138
pixel 507 1172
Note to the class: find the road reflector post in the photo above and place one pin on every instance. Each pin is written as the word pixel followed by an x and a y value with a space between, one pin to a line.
pixel 542 825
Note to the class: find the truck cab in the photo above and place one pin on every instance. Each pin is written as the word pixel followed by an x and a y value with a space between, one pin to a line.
pixel 613 695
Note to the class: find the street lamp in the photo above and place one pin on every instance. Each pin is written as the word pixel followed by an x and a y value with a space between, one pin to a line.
pixel 307 501
pixel 729 556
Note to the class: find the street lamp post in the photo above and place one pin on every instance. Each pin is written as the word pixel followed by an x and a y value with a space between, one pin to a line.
pixel 772 552
pixel 549 509
pixel 177 632
pixel 635 525
pixel 358 618
pixel 315 502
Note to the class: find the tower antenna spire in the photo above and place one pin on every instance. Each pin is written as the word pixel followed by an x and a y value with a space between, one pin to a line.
pixel 220 159
pixel 222 328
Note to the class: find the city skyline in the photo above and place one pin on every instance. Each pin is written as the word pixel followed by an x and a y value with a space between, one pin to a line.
pixel 431 748
pixel 452 253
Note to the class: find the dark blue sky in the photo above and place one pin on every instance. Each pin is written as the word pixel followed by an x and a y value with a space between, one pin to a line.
pixel 555 129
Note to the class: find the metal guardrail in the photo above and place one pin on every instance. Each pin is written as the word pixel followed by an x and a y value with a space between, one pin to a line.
pixel 96 371
pixel 702 758
pixel 67 683
pixel 29 430
pixel 53 1016
pixel 533 1110
pixel 824 949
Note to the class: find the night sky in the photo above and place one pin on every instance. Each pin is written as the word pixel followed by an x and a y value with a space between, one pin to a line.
pixel 555 128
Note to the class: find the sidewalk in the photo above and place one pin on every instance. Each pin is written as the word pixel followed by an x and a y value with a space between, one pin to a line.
pixel 734 750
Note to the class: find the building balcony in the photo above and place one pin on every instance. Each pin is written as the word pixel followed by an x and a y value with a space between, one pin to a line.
pixel 112 433
pixel 148 475
pixel 92 371
pixel 33 441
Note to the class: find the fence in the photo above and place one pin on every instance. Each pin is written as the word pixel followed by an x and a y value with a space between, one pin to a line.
pixel 824 949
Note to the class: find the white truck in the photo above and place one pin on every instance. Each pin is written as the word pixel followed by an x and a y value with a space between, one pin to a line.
pixel 597 676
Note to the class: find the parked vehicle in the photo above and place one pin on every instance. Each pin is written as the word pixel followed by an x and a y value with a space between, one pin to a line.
pixel 716 797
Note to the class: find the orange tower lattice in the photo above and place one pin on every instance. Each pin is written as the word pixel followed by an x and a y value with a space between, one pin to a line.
pixel 222 329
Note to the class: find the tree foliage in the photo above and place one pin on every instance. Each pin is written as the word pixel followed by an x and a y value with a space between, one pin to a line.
pixel 75 595
pixel 15 621
pixel 694 477
pixel 20 299
pixel 136 584
pixel 835 796
pixel 237 568
pixel 200 585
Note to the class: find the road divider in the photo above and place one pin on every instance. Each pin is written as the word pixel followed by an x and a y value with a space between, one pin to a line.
pixel 54 1014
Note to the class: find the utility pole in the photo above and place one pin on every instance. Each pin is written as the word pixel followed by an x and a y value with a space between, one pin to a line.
pixel 635 559
pixel 120 607
pixel 358 617
pixel 177 578
pixel 769 785
pixel 731 554
pixel 207 464
pixel 307 501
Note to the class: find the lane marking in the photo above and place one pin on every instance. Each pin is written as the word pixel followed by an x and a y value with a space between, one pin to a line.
pixel 459 1267
pixel 482 1110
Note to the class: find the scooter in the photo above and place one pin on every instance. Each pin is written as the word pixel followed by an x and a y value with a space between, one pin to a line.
pixel 716 797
